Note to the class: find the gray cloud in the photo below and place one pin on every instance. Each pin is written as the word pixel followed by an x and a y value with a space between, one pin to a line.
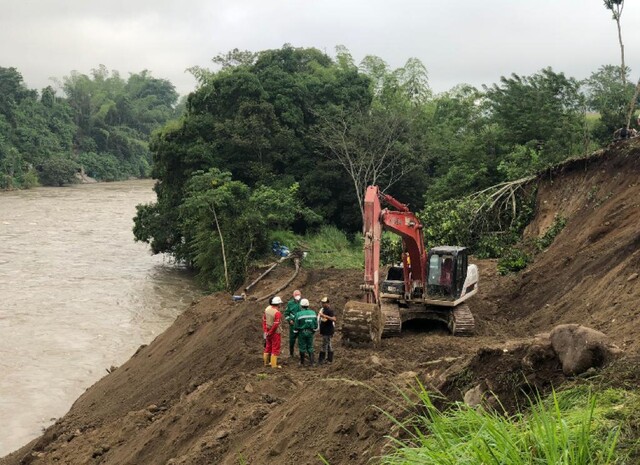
pixel 458 40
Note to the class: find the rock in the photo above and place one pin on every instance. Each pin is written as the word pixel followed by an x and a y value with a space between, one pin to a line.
pixel 222 434
pixel 580 348
pixel 632 277
pixel 375 360
pixel 99 451
pixel 248 388
pixel 279 447
pixel 473 397
pixel 482 395
pixel 538 354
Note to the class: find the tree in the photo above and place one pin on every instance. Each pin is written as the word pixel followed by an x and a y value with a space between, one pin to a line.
pixel 369 144
pixel 616 7
pixel 462 148
pixel 610 98
pixel 414 81
pixel 58 171
pixel 544 109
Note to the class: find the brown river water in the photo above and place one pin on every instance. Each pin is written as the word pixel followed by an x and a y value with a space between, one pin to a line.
pixel 77 295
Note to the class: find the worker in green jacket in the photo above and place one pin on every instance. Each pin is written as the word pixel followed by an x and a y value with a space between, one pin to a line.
pixel 306 327
pixel 293 307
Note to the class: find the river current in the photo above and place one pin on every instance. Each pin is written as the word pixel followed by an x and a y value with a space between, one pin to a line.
pixel 77 295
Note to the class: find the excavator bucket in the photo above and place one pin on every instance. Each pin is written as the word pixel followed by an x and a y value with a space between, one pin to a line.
pixel 362 323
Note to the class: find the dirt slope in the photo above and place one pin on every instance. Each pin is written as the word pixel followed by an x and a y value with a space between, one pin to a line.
pixel 198 394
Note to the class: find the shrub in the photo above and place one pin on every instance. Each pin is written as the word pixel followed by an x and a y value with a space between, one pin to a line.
pixel 57 171
pixel 513 260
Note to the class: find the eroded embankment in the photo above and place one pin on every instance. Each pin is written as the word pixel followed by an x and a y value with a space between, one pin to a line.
pixel 198 394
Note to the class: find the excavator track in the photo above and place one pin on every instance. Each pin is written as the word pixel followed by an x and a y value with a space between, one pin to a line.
pixel 392 320
pixel 461 321
pixel 362 323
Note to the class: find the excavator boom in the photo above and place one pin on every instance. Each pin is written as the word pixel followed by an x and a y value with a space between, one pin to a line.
pixel 402 222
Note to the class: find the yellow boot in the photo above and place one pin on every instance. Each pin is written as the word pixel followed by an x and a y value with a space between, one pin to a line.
pixel 265 357
pixel 274 362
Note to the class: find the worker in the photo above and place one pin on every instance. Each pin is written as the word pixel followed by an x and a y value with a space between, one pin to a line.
pixel 306 326
pixel 293 307
pixel 271 329
pixel 327 328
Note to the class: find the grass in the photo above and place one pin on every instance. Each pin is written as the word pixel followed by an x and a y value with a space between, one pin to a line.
pixel 327 248
pixel 573 427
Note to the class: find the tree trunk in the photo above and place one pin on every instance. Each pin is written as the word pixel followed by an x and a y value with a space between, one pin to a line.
pixel 224 255
pixel 622 68
pixel 632 104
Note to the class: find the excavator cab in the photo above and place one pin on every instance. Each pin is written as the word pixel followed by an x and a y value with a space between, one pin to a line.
pixel 447 272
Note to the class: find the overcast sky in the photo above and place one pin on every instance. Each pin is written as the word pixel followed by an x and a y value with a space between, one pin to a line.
pixel 459 41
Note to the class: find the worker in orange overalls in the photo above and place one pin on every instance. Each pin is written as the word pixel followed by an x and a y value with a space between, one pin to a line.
pixel 271 329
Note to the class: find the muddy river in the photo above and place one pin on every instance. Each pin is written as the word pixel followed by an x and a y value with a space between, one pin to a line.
pixel 77 295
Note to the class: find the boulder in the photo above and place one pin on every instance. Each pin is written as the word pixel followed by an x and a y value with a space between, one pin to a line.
pixel 580 348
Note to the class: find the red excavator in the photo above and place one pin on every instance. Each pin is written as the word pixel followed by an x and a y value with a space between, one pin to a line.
pixel 427 286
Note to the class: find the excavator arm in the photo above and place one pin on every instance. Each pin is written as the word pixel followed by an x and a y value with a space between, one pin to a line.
pixel 403 222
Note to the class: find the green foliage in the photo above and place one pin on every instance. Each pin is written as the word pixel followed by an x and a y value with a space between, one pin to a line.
pixel 521 162
pixel 514 259
pixel 390 249
pixel 223 224
pixel 553 432
pixel 102 116
pixel 29 179
pixel 547 238
pixel 610 97
pixel 293 123
pixel 449 222
pixel 326 248
pixel 101 168
pixel 58 171
pixel 544 109
pixel 331 248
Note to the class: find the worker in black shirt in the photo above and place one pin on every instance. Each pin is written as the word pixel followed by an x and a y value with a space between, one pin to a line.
pixel 327 328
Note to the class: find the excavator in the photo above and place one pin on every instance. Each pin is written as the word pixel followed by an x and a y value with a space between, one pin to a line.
pixel 433 285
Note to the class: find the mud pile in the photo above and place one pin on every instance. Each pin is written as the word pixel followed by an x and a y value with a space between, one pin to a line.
pixel 198 394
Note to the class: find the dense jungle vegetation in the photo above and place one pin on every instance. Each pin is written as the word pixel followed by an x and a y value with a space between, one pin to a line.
pixel 100 122
pixel 288 139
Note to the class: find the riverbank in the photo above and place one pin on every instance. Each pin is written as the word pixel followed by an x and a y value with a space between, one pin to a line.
pixel 199 393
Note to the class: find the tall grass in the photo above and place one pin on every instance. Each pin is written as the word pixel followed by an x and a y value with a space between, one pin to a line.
pixel 327 248
pixel 553 432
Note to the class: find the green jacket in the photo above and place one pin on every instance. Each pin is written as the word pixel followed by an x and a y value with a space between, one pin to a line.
pixel 306 320
pixel 293 307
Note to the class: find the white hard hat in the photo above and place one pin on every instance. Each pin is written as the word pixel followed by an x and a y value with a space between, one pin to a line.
pixel 276 300
pixel 304 303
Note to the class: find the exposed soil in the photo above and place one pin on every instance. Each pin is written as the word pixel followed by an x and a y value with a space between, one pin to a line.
pixel 198 394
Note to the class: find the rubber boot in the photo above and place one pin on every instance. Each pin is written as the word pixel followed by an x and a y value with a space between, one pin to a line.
pixel 265 358
pixel 321 358
pixel 330 356
pixel 311 359
pixel 302 358
pixel 274 362
pixel 292 351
